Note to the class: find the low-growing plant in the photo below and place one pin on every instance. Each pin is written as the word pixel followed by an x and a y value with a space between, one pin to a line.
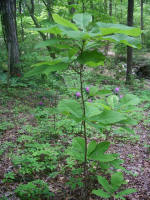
pixel 111 189
pixel 9 177
pixel 35 190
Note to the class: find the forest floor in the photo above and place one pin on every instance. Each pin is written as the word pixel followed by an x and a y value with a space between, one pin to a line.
pixel 16 113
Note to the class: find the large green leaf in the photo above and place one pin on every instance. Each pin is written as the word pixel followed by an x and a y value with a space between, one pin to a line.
pixel 91 147
pixel 101 193
pixel 121 38
pixel 108 28
pixel 82 20
pixel 91 58
pixel 109 117
pixel 125 192
pixel 76 35
pixel 98 153
pixel 112 101
pixel 57 43
pixel 117 180
pixel 77 150
pixel 103 181
pixel 129 100
pixel 46 68
pixel 54 29
pixel 72 108
pixel 64 22
pixel 92 109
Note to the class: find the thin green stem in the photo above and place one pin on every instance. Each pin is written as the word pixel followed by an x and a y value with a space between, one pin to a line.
pixel 84 127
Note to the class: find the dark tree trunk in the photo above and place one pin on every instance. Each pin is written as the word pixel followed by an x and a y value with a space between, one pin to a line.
pixel 129 49
pixel 8 19
pixel 142 23
pixel 110 7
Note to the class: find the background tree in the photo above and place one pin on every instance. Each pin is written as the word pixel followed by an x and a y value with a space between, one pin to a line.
pixel 129 49
pixel 8 19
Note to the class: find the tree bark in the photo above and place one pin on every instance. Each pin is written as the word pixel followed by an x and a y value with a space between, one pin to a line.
pixel 129 49
pixel 8 19
pixel 110 7
pixel 142 21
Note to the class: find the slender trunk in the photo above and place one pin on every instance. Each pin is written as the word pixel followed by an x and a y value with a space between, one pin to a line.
pixel 21 22
pixel 142 21
pixel 8 18
pixel 129 49
pixel 110 7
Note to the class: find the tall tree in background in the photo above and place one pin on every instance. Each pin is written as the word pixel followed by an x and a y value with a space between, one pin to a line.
pixel 110 7
pixel 8 19
pixel 142 21
pixel 129 49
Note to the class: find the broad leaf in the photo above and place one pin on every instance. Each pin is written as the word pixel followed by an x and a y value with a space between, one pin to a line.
pixel 98 153
pixel 71 107
pixel 92 109
pixel 129 100
pixel 91 147
pixel 112 101
pixel 101 193
pixel 82 20
pixel 91 58
pixel 124 39
pixel 108 28
pixel 77 150
pixel 64 22
pixel 109 117
pixel 117 180
pixel 46 68
pixel 125 192
pixel 103 181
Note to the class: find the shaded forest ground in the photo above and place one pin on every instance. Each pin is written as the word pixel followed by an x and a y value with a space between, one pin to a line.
pixel 20 115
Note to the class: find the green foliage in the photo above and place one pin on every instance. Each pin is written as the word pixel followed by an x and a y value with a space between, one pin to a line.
pixel 117 180
pixel 39 157
pixel 9 177
pixel 35 190
pixel 81 38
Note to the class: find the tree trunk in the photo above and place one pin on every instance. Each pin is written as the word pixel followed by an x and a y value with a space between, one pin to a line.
pixel 129 49
pixel 142 21
pixel 110 7
pixel 8 19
